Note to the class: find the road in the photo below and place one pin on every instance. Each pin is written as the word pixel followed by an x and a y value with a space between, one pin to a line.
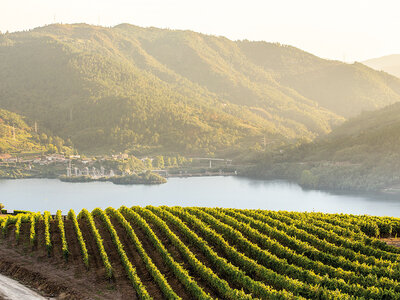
pixel 11 289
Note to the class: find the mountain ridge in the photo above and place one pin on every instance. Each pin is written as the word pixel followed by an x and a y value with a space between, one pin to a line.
pixel 129 87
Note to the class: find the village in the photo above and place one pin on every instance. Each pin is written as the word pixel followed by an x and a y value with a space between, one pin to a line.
pixel 75 168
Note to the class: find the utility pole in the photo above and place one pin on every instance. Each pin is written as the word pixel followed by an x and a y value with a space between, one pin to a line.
pixel 264 141
pixel 36 127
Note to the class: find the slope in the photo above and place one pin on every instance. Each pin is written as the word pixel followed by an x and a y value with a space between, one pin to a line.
pixel 16 136
pixel 362 154
pixel 157 90
pixel 345 89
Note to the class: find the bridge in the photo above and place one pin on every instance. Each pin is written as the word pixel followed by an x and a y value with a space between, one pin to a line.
pixel 211 159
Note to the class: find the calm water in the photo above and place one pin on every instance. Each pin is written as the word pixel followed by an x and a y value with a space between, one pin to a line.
pixel 52 194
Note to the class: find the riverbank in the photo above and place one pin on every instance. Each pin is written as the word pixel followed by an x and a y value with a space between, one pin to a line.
pixel 144 178
pixel 329 176
pixel 204 174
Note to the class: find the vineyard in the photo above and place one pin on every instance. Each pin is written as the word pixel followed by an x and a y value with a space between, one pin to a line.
pixel 209 253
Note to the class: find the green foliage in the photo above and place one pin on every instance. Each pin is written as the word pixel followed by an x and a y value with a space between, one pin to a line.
pixel 239 277
pixel 206 273
pixel 85 256
pixel 362 154
pixel 47 218
pixel 244 254
pixel 130 270
pixel 16 136
pixel 33 218
pixel 151 267
pixel 60 223
pixel 181 273
pixel 130 88
pixel 158 162
pixel 370 228
pixel 18 227
pixel 84 214
pixel 148 164
pixel 308 179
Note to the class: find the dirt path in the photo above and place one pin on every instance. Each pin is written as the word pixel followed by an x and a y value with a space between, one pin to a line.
pixel 11 289
pixel 392 241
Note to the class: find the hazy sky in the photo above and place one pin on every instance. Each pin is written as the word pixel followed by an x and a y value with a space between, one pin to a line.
pixel 341 29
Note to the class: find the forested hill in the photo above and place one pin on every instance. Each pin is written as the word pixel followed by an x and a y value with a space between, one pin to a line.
pixel 16 136
pixel 129 87
pixel 372 133
pixel 361 154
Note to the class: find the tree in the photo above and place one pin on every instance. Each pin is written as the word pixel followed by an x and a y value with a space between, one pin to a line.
pixel 51 149
pixel 43 138
pixel 308 179
pixel 148 164
pixel 1 208
pixel 181 160
pixel 159 162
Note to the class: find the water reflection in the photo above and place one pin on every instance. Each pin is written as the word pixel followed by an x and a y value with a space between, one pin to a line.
pixel 49 194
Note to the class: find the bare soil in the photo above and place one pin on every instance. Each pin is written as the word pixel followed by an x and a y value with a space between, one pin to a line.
pixel 54 276
pixel 51 275
pixel 392 241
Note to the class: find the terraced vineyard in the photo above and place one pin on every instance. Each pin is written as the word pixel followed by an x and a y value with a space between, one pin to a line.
pixel 204 253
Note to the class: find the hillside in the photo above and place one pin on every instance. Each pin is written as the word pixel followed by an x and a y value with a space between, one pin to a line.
pixel 149 89
pixel 16 136
pixel 390 64
pixel 201 253
pixel 361 154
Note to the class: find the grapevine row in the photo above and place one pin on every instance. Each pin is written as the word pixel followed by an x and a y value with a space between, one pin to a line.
pixel 183 276
pixel 320 244
pixel 130 270
pixel 158 277
pixel 204 272
pixel 47 218
pixel 84 214
pixel 64 243
pixel 281 265
pixel 85 256
pixel 251 266
pixel 302 248
pixel 258 289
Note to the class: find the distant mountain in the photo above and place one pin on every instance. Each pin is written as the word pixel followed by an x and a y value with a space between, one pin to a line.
pixel 389 64
pixel 152 89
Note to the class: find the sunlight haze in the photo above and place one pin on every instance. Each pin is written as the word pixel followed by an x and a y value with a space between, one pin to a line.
pixel 343 30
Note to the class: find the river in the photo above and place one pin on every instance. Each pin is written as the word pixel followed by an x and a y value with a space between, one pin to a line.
pixel 230 191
